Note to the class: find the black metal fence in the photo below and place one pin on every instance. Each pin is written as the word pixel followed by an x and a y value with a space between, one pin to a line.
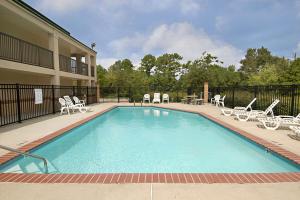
pixel 135 94
pixel 289 96
pixel 17 101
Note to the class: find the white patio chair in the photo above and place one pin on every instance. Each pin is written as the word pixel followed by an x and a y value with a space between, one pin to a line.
pixel 72 106
pixel 156 98
pixel 243 115
pixel 220 101
pixel 146 98
pixel 216 98
pixel 229 111
pixel 296 130
pixel 273 123
pixel 78 102
pixel 165 97
pixel 63 106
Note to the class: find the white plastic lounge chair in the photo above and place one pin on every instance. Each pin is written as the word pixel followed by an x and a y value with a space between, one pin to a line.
pixel 273 123
pixel 216 98
pixel 78 102
pixel 72 106
pixel 243 115
pixel 156 98
pixel 63 106
pixel 165 97
pixel 146 98
pixel 229 112
pixel 220 101
pixel 296 130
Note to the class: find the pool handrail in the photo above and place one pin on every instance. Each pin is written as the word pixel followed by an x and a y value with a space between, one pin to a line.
pixel 27 154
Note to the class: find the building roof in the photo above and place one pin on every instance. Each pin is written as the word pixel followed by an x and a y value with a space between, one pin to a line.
pixel 47 20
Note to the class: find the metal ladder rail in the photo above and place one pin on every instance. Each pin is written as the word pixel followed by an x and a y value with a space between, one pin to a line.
pixel 27 154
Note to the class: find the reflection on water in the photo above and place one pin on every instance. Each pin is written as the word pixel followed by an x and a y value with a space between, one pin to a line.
pixel 156 113
pixel 147 112
pixel 165 113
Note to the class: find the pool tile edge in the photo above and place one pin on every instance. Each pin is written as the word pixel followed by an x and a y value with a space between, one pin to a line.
pixel 122 178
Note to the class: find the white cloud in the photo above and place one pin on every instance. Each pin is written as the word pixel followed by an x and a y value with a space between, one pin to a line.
pixel 62 6
pixel 221 23
pixel 298 48
pixel 121 45
pixel 119 7
pixel 189 6
pixel 106 62
pixel 186 6
pixel 181 38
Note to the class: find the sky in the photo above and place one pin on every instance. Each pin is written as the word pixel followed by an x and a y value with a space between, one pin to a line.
pixel 133 28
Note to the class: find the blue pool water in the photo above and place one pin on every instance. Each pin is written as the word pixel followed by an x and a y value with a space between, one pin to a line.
pixel 151 140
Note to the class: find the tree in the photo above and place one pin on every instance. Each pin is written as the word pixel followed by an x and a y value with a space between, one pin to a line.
pixel 120 73
pixel 292 74
pixel 268 75
pixel 102 76
pixel 207 68
pixel 254 60
pixel 148 64
pixel 167 68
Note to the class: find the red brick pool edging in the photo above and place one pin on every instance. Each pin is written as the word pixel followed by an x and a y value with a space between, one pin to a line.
pixel 108 178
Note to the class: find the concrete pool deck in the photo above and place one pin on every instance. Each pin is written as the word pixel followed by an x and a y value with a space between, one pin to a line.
pixel 271 191
pixel 18 135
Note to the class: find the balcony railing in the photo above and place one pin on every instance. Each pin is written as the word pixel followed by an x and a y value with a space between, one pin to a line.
pixel 68 64
pixel 92 71
pixel 17 50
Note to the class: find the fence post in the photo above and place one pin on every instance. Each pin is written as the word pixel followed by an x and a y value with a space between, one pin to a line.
pixel 118 91
pixel 73 90
pixel 18 103
pixel 255 95
pixel 87 95
pixel 293 88
pixel 233 88
pixel 53 99
pixel 177 100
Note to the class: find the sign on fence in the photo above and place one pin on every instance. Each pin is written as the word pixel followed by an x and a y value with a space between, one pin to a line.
pixel 38 93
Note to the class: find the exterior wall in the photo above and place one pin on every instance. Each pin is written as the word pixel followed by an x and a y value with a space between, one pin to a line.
pixel 67 82
pixel 21 23
pixel 22 29
pixel 12 77
pixel 64 49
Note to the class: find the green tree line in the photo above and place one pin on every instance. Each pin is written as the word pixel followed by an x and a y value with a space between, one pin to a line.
pixel 168 71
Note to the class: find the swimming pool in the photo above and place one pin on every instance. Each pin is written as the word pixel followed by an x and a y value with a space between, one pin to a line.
pixel 151 140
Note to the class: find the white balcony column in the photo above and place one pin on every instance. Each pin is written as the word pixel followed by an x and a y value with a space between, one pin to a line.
pixel 53 46
pixel 93 63
pixel 88 62
pixel 55 80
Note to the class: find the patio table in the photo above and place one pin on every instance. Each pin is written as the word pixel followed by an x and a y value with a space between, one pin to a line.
pixel 191 98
